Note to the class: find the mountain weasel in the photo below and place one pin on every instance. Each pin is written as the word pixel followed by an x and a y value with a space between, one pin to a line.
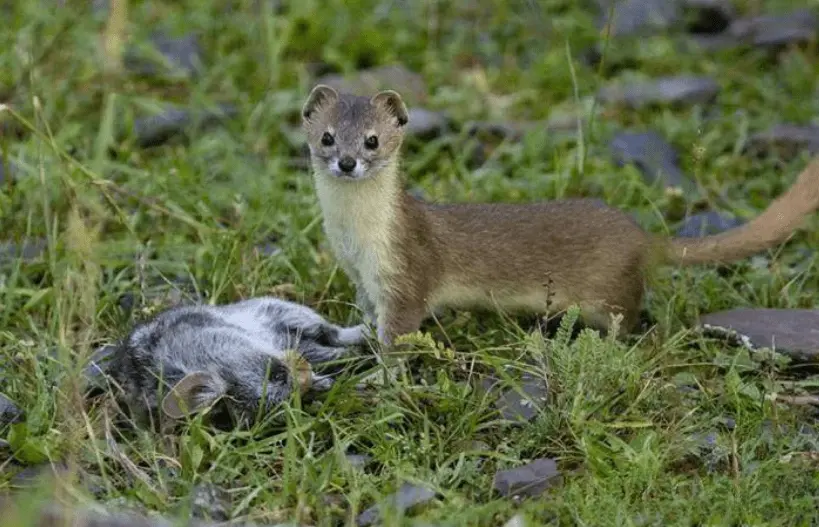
pixel 408 258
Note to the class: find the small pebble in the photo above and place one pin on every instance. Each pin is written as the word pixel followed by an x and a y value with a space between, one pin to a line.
pixel 656 159
pixel 182 54
pixel 528 480
pixel 408 496
pixel 785 141
pixel 707 223
pixel 525 408
pixel 10 413
pixel 158 129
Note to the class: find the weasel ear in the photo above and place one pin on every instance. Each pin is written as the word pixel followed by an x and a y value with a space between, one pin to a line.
pixel 193 393
pixel 319 96
pixel 392 102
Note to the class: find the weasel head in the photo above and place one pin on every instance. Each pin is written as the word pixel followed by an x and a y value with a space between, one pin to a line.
pixel 353 138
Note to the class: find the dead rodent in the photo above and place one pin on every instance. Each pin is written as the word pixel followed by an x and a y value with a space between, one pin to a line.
pixel 409 258
pixel 249 354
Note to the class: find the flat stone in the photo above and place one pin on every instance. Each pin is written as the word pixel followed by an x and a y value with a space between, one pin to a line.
pixel 528 480
pixel 643 17
pixel 405 498
pixel 10 413
pixel 706 223
pixel 792 332
pixel 177 56
pixel 683 89
pixel 114 513
pixel 785 141
pixel 409 84
pixel 158 129
pixel 776 30
pixel 514 130
pixel 499 129
pixel 28 250
pixel 426 124
pixel 517 407
pixel 652 155
pixel 634 17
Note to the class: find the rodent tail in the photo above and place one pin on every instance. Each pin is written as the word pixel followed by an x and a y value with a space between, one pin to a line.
pixel 782 217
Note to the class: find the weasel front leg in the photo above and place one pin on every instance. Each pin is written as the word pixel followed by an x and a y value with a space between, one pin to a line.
pixel 362 300
pixel 399 317
pixel 366 305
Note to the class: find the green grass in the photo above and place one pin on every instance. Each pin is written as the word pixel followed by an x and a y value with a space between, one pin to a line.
pixel 635 447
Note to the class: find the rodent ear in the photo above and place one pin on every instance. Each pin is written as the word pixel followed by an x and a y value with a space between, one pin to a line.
pixel 193 393
pixel 319 96
pixel 300 370
pixel 392 102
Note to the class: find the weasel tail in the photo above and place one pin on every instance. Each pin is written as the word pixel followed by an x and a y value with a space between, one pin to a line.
pixel 782 217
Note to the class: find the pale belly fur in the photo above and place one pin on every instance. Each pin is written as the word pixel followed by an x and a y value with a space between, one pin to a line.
pixel 454 294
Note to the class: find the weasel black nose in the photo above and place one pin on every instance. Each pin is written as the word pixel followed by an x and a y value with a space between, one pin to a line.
pixel 346 164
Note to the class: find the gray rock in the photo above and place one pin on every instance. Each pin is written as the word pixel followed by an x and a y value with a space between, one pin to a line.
pixel 709 43
pixel 683 89
pixel 514 130
pixel 784 140
pixel 652 155
pixel 54 513
pixel 409 84
pixel 182 55
pixel 777 30
pixel 706 223
pixel 158 129
pixel 426 124
pixel 161 293
pixel 33 475
pixel 792 332
pixel 499 129
pixel 517 407
pixel 268 249
pixel 28 251
pixel 642 17
pixel 528 480
pixel 9 412
pixel 408 496
pixel 633 17
pixel 210 503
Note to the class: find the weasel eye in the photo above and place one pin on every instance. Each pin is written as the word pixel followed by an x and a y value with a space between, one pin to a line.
pixel 371 142
pixel 327 139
